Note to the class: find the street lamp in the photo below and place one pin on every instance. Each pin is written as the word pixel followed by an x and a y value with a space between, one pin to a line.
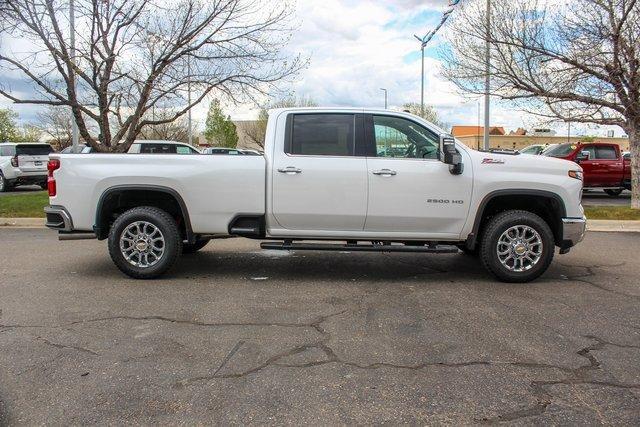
pixel 72 42
pixel 385 97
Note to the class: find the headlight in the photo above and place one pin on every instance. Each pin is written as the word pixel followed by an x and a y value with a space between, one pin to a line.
pixel 576 175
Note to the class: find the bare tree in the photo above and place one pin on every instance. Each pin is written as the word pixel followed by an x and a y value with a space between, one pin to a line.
pixel 136 55
pixel 575 61
pixel 256 130
pixel 176 130
pixel 430 114
pixel 55 123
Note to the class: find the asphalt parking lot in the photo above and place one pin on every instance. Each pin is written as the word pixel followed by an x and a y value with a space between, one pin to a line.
pixel 239 336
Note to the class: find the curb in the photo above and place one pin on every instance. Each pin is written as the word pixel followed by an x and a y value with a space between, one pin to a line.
pixel 612 225
pixel 603 225
pixel 22 222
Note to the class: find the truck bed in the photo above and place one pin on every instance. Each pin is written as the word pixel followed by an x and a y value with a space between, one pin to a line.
pixel 215 188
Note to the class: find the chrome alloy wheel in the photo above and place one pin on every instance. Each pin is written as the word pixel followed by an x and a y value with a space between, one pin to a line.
pixel 142 244
pixel 519 248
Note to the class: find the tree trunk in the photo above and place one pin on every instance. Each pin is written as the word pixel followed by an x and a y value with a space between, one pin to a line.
pixel 634 146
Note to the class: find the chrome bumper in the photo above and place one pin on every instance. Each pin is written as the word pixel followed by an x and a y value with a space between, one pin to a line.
pixel 58 218
pixel 573 230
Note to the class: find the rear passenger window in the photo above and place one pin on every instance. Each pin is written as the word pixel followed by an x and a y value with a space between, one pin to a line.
pixel 322 135
pixel 605 153
pixel 7 150
pixel 157 149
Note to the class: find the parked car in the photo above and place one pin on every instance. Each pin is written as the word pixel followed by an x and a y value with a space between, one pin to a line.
pixel 533 149
pixel 145 147
pixel 321 178
pixel 230 151
pixel 82 148
pixel 161 147
pixel 23 164
pixel 603 165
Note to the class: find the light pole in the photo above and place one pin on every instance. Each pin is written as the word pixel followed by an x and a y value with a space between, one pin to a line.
pixel 189 99
pixel 72 42
pixel 422 83
pixel 487 81
pixel 385 97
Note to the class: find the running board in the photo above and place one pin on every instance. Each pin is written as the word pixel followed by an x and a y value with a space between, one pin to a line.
pixel 290 246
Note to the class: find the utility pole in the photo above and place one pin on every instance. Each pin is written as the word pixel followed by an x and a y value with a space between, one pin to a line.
pixel 385 97
pixel 189 99
pixel 422 84
pixel 72 37
pixel 487 81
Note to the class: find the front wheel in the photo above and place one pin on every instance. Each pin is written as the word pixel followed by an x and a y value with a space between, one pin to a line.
pixel 144 242
pixel 517 246
pixel 4 184
pixel 613 193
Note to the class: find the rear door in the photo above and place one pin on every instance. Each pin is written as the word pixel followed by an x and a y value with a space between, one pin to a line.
pixel 610 165
pixel 319 181
pixel 33 157
pixel 410 189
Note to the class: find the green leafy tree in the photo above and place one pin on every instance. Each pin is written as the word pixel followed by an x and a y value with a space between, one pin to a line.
pixel 8 128
pixel 219 129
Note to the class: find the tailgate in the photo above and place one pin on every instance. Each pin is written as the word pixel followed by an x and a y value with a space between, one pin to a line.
pixel 33 157
pixel 33 163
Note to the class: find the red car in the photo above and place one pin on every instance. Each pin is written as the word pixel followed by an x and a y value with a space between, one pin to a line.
pixel 603 164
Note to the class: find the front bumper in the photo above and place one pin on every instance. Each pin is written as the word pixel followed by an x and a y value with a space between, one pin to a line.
pixel 58 218
pixel 573 230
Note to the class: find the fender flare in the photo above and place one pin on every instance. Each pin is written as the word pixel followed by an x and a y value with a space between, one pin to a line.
pixel 159 188
pixel 473 236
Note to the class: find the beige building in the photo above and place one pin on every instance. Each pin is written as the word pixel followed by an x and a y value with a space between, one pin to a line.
pixel 518 142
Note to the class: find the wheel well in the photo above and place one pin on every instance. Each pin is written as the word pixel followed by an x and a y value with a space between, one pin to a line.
pixel 550 208
pixel 116 201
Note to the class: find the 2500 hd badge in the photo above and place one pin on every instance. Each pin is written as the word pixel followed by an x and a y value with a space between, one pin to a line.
pixel 455 202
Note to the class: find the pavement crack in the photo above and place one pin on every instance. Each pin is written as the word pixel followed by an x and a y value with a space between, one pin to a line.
pixel 66 346
pixel 590 272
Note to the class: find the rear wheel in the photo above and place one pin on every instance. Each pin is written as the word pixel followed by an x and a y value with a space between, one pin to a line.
pixel 517 246
pixel 189 248
pixel 613 193
pixel 144 242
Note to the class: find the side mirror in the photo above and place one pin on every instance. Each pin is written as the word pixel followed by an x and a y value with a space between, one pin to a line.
pixel 449 155
pixel 584 155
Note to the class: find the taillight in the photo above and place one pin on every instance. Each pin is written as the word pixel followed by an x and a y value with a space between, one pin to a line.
pixel 52 165
pixel 14 162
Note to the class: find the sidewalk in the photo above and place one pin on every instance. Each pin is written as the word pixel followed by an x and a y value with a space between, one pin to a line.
pixel 592 224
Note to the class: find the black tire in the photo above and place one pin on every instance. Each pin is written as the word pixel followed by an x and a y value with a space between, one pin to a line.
pixel 4 184
pixel 44 186
pixel 499 226
pixel 172 242
pixel 613 193
pixel 189 248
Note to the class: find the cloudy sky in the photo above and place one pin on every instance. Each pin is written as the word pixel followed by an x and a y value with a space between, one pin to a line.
pixel 357 47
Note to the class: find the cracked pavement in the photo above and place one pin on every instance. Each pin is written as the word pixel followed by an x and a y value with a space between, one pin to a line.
pixel 235 335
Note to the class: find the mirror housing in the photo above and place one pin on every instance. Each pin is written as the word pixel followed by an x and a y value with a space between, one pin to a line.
pixel 584 155
pixel 449 155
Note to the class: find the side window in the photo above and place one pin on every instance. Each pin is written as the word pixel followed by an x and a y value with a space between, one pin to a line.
pixel 157 149
pixel 401 138
pixel 589 149
pixel 134 149
pixel 322 135
pixel 182 149
pixel 7 150
pixel 605 152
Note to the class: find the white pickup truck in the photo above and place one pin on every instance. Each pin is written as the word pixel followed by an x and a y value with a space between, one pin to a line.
pixel 353 179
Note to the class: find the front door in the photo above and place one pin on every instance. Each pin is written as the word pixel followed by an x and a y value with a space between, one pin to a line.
pixel 410 190
pixel 319 182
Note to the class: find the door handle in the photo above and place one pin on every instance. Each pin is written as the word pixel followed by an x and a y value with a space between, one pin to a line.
pixel 290 170
pixel 385 172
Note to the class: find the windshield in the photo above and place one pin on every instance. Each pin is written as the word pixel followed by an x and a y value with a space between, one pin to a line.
pixel 33 150
pixel 560 150
pixel 532 149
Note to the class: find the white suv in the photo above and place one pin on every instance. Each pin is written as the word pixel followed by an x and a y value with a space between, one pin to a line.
pixel 23 164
